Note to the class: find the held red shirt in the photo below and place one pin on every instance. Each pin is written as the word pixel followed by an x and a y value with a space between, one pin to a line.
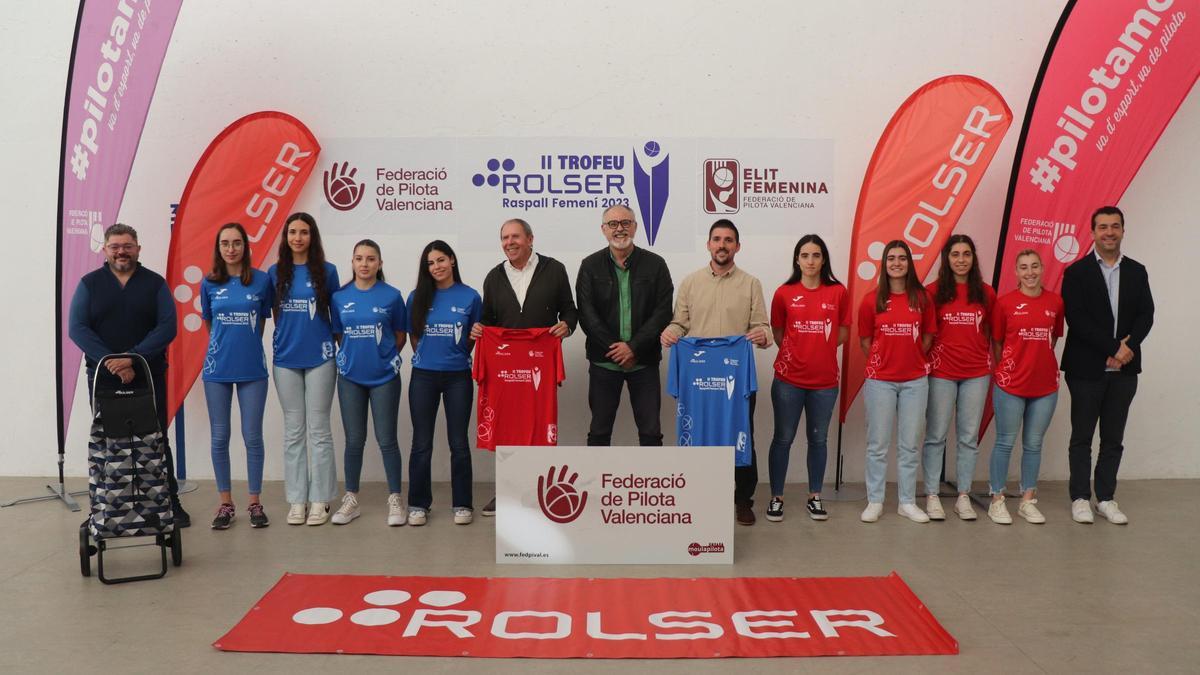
pixel 518 371
pixel 961 349
pixel 1028 327
pixel 810 319
pixel 896 353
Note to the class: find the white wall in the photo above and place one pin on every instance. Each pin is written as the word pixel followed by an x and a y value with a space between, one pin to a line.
pixel 831 69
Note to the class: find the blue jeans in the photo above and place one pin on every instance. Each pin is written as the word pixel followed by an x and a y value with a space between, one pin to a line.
pixel 965 399
pixel 385 409
pixel 427 389
pixel 1011 411
pixel 306 395
pixel 252 399
pixel 789 402
pixel 886 403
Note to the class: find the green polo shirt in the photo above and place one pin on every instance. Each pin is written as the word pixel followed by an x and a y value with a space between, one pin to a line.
pixel 624 296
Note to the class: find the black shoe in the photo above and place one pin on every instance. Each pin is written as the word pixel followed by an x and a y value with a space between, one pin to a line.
pixel 775 510
pixel 182 519
pixel 225 517
pixel 490 509
pixel 815 510
pixel 744 514
pixel 258 517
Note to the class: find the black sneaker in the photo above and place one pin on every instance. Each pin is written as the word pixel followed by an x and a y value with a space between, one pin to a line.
pixel 815 510
pixel 490 509
pixel 181 517
pixel 225 517
pixel 775 510
pixel 258 517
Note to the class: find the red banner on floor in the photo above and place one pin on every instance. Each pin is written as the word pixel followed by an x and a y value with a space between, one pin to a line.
pixel 589 618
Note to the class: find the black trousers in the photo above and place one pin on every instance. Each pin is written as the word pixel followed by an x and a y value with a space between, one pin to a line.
pixel 645 397
pixel 745 478
pixel 159 377
pixel 1105 400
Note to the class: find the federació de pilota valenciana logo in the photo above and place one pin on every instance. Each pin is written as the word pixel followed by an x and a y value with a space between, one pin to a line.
pixel 558 497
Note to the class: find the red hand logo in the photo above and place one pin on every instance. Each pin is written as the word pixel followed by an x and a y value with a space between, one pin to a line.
pixel 559 499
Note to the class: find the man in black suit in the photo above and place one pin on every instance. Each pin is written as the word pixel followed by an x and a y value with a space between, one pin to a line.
pixel 1109 312
pixel 527 290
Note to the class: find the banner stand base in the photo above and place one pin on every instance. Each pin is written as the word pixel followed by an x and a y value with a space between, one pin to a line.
pixel 56 492
pixel 846 493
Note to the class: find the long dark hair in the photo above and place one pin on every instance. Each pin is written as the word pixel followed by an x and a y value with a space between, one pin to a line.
pixel 827 278
pixel 947 287
pixel 378 273
pixel 220 272
pixel 912 285
pixel 284 269
pixel 426 286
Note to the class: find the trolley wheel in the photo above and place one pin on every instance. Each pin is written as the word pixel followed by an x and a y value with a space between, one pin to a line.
pixel 176 548
pixel 85 555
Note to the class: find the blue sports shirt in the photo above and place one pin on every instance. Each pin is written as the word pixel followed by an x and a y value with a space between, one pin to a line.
pixel 712 379
pixel 236 315
pixel 446 343
pixel 368 321
pixel 303 338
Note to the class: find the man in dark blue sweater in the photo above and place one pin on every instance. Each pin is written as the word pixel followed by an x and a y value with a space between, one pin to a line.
pixel 123 307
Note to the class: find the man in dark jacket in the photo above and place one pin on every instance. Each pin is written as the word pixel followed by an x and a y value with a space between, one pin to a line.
pixel 1109 312
pixel 527 290
pixel 624 296
pixel 124 307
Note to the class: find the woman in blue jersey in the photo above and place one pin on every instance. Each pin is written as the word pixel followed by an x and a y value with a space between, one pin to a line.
pixel 443 309
pixel 303 283
pixel 370 324
pixel 235 300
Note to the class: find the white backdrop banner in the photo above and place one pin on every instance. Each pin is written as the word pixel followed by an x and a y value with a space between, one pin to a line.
pixel 443 186
pixel 623 505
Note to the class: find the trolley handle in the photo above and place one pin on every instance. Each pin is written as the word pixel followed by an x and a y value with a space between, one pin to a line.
pixel 139 363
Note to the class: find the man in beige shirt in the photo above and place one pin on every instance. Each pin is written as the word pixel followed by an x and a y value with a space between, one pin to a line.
pixel 720 300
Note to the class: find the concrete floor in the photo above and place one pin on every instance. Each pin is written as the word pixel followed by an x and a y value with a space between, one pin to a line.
pixel 1054 598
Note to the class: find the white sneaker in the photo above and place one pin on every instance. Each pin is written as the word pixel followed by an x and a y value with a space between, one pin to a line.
pixel 964 508
pixel 1110 510
pixel 318 513
pixel 296 514
pixel 871 513
pixel 933 508
pixel 417 517
pixel 1030 512
pixel 914 513
pixel 347 512
pixel 1081 511
pixel 998 512
pixel 399 513
pixel 463 516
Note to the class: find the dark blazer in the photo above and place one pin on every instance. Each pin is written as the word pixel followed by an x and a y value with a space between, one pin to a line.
pixel 1089 317
pixel 547 300
pixel 650 291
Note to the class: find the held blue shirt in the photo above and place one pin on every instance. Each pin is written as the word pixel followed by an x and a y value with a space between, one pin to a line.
pixel 712 379
pixel 368 321
pixel 303 337
pixel 236 315
pixel 446 342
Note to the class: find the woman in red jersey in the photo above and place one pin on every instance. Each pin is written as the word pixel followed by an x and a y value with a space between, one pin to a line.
pixel 960 370
pixel 810 316
pixel 896 325
pixel 1026 325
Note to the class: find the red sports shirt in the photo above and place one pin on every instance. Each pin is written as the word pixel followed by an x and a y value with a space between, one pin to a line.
pixel 518 371
pixel 810 319
pixel 1028 327
pixel 961 349
pixel 896 352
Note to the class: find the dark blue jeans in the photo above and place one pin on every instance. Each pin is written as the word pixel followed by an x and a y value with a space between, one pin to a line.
pixel 385 408
pixel 817 406
pixel 456 389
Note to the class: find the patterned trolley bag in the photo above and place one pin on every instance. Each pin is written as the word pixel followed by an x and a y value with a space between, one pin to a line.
pixel 127 470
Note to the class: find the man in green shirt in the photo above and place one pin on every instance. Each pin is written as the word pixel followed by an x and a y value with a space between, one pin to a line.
pixel 624 298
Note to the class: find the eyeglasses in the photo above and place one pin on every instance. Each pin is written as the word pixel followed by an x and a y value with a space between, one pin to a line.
pixel 233 243
pixel 117 248
pixel 620 224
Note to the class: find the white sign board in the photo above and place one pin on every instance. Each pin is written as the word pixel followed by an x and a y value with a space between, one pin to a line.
pixel 623 505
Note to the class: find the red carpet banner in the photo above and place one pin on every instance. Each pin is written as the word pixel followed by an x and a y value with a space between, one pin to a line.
pixel 250 174
pixel 1113 76
pixel 590 618
pixel 925 168
pixel 118 51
